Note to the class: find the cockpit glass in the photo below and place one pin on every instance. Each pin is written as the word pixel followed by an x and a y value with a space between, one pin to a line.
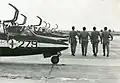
pixel 28 31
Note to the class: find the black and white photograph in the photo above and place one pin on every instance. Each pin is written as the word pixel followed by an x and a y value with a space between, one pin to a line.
pixel 59 41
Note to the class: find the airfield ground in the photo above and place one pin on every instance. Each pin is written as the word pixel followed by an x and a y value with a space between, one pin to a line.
pixel 71 69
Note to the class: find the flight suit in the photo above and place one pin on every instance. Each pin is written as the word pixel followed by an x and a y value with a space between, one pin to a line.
pixel 95 41
pixel 73 41
pixel 106 41
pixel 84 41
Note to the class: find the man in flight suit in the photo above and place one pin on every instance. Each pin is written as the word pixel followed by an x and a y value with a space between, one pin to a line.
pixel 73 40
pixel 105 40
pixel 95 41
pixel 83 40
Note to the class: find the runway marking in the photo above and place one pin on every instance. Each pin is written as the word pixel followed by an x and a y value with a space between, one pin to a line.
pixel 49 73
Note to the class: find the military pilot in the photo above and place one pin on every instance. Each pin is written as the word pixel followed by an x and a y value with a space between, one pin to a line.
pixel 95 40
pixel 105 40
pixel 73 40
pixel 83 40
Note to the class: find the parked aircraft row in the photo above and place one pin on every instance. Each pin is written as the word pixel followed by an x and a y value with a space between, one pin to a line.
pixel 20 40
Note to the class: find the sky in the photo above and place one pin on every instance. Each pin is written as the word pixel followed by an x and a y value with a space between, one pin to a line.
pixel 66 13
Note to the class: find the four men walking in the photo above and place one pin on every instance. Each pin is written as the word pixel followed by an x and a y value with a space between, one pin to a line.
pixel 94 37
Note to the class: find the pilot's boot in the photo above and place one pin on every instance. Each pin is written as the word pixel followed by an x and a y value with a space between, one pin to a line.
pixel 107 55
pixel 95 54
pixel 73 54
pixel 82 54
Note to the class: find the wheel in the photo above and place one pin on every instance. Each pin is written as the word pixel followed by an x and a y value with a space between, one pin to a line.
pixel 55 59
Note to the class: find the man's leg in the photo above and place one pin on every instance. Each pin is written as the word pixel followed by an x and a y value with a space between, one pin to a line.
pixel 82 47
pixel 107 49
pixel 103 49
pixel 93 46
pixel 96 49
pixel 86 45
pixel 72 49
pixel 75 46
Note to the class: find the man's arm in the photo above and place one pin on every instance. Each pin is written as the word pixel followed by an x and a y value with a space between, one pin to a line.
pixel 69 37
pixel 79 38
pixel 89 36
pixel 111 36
pixel 101 37
pixel 78 35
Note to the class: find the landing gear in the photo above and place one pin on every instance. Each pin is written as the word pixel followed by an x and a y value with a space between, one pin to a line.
pixel 55 59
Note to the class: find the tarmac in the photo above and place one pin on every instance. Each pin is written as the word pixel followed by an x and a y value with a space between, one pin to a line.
pixel 70 69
